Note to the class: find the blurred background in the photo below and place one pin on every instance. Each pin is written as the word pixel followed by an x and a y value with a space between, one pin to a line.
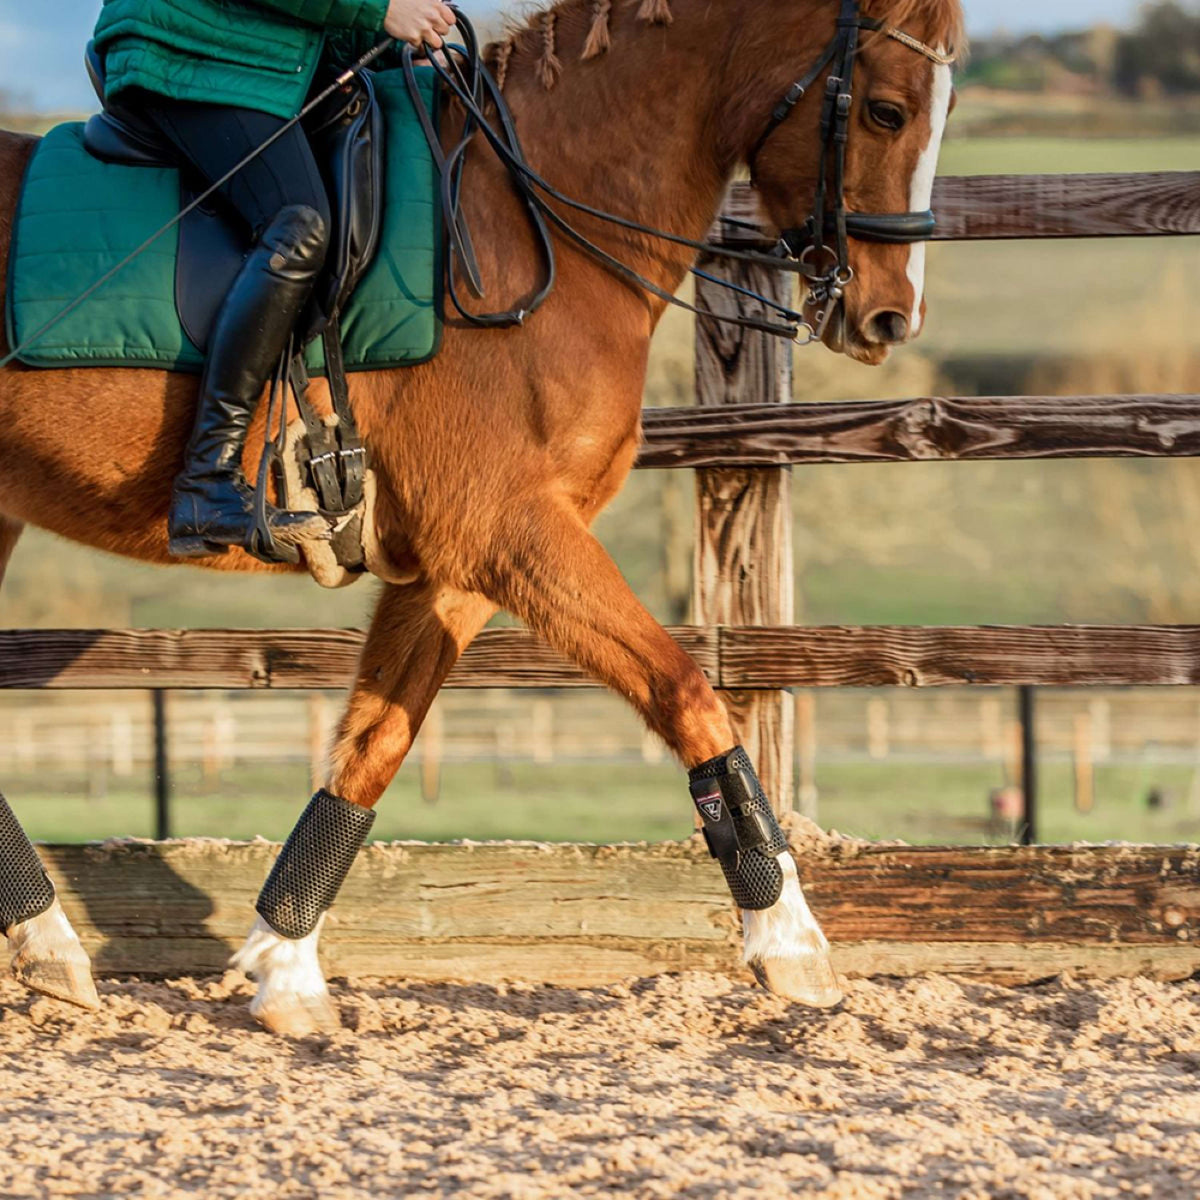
pixel 1057 86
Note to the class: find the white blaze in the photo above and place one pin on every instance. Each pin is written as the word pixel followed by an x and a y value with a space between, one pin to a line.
pixel 920 194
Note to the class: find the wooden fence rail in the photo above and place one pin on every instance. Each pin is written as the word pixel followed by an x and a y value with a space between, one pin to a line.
pixel 738 658
pixel 587 915
pixel 922 430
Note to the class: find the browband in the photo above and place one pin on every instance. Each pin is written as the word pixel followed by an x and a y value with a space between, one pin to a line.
pixel 907 39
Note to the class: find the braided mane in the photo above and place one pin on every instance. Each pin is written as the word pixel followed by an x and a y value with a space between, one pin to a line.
pixel 537 32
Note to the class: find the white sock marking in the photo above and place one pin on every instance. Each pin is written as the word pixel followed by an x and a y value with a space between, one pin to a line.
pixel 787 929
pixel 921 189
pixel 46 938
pixel 288 971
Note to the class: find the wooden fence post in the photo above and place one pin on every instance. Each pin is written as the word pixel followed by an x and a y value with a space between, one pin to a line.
pixel 743 570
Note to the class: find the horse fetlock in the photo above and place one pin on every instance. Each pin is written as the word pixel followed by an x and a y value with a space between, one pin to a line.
pixel 293 999
pixel 785 948
pixel 313 864
pixel 25 888
pixel 47 956
pixel 740 828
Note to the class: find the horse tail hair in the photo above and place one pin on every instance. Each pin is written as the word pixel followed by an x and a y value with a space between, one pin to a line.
pixel 550 66
pixel 599 38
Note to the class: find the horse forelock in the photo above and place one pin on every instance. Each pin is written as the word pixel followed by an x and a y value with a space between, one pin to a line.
pixel 939 23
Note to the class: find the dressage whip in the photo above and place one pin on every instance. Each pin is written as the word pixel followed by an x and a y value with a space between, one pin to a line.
pixel 340 82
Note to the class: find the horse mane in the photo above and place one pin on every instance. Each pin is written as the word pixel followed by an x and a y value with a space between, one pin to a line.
pixel 537 29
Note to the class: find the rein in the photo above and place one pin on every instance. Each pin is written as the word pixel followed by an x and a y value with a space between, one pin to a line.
pixel 474 87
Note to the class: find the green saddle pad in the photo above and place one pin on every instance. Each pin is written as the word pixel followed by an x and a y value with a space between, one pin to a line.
pixel 78 217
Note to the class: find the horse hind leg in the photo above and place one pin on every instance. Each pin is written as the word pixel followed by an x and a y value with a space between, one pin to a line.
pixel 44 951
pixel 416 636
pixel 564 585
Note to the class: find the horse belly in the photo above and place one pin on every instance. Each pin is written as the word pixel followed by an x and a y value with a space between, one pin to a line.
pixel 91 454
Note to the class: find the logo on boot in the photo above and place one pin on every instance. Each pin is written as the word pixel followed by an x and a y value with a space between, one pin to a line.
pixel 710 805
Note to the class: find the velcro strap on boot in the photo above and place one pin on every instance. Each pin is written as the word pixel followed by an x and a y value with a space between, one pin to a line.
pixel 313 864
pixel 740 827
pixel 25 888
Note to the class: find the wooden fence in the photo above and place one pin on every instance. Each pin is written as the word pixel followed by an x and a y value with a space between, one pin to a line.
pixel 743 438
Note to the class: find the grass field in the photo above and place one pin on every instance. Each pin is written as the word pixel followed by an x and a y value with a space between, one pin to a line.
pixel 918 803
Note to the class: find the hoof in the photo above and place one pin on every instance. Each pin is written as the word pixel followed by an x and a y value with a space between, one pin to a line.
pixel 68 981
pixel 297 1016
pixel 47 957
pixel 809 980
pixel 292 998
pixel 785 948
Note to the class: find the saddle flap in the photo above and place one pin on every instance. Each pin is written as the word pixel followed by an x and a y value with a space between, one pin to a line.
pixel 211 252
pixel 348 140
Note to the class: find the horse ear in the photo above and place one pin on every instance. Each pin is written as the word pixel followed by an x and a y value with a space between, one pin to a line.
pixel 599 38
pixel 657 12
pixel 549 66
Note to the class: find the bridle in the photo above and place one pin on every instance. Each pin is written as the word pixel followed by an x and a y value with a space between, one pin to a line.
pixel 826 267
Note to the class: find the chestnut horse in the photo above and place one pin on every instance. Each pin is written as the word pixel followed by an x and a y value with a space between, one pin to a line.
pixel 494 458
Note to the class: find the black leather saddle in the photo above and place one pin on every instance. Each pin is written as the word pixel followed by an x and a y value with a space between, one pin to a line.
pixel 348 139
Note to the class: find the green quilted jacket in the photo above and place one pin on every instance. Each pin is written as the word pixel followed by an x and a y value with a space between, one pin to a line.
pixel 258 54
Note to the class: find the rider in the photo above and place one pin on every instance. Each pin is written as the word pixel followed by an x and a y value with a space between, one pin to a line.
pixel 218 78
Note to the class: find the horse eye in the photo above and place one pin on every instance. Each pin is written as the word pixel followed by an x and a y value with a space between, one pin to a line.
pixel 889 116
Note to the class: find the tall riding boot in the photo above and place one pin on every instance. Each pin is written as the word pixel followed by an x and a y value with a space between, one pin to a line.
pixel 212 504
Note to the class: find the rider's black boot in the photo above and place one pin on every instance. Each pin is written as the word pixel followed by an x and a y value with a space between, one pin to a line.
pixel 212 505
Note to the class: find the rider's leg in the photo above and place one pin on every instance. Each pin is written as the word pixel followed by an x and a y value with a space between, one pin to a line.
pixel 282 199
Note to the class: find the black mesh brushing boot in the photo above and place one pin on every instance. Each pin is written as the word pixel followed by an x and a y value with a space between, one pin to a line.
pixel 212 504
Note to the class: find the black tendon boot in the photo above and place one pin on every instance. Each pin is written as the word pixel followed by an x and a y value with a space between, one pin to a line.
pixel 212 505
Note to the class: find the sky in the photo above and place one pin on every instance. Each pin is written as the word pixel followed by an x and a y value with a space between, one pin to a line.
pixel 41 45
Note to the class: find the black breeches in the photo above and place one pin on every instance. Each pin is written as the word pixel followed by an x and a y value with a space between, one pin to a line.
pixel 213 139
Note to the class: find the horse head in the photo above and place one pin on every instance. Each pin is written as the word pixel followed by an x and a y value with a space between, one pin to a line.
pixel 900 94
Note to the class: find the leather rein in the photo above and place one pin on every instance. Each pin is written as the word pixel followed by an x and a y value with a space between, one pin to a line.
pixel 825 268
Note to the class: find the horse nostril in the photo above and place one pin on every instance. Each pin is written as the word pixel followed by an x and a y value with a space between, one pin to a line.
pixel 888 327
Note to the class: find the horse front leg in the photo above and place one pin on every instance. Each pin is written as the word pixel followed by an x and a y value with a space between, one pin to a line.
pixel 559 579
pixel 416 636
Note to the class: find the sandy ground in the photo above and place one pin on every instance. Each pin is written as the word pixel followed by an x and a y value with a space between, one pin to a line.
pixel 680 1086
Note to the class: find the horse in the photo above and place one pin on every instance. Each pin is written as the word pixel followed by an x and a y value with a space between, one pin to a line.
pixel 494 458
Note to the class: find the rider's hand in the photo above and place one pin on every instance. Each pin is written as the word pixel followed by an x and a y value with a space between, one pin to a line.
pixel 418 21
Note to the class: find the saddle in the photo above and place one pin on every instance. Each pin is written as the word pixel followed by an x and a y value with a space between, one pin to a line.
pixel 347 137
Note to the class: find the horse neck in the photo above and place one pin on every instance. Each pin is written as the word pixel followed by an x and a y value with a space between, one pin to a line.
pixel 650 130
